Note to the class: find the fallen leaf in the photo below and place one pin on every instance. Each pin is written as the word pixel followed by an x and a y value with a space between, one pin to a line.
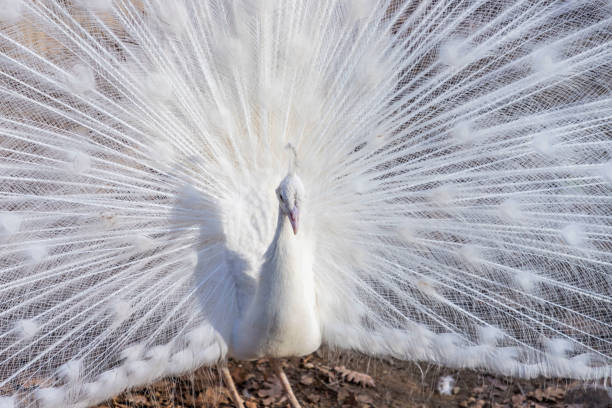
pixel 136 399
pixel 212 397
pixel 272 393
pixel 364 399
pixel 355 377
pixel 307 379
pixel 239 374
pixel 349 400
pixel 313 398
pixel 517 400
pixel 554 393
pixel 342 395
pixel 324 369
pixel 537 395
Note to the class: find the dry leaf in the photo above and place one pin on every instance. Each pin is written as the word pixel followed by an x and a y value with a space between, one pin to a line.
pixel 307 379
pixel 136 399
pixel 348 399
pixel 272 393
pixel 517 400
pixel 239 374
pixel 364 399
pixel 331 377
pixel 355 377
pixel 313 398
pixel 342 395
pixel 213 396
pixel 554 393
pixel 537 395
pixel 324 369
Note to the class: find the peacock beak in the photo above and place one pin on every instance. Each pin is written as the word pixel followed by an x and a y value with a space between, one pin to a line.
pixel 294 218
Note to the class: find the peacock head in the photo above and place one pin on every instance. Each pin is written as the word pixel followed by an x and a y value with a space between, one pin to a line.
pixel 289 193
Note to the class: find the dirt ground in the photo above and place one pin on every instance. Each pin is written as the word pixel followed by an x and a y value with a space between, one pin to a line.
pixel 325 380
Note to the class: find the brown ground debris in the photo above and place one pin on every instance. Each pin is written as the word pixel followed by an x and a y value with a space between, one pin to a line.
pixel 357 381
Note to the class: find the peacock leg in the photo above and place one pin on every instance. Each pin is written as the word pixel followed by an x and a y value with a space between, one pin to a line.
pixel 278 369
pixel 229 383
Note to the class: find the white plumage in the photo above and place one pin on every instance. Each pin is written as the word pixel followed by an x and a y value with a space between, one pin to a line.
pixel 453 169
pixel 281 317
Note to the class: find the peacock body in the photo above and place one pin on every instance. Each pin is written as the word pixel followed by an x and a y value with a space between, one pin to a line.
pixel 454 178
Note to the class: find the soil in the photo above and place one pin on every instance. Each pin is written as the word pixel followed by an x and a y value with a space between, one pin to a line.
pixel 327 380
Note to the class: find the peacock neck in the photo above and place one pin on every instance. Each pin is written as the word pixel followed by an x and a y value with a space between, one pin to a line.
pixel 283 237
pixel 281 320
pixel 282 259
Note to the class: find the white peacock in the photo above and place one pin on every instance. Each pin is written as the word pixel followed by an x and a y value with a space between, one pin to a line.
pixel 446 197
